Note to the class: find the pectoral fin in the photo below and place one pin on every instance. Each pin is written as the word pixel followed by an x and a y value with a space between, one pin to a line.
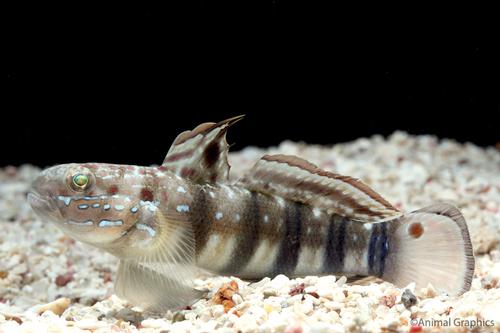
pixel 296 179
pixel 201 154
pixel 158 270
pixel 154 288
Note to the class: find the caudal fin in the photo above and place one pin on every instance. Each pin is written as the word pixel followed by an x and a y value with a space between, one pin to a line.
pixel 432 245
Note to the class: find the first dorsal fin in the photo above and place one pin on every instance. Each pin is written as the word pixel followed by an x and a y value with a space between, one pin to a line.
pixel 201 154
pixel 296 179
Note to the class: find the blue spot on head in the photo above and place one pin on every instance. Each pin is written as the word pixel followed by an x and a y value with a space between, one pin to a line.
pixel 110 223
pixel 182 208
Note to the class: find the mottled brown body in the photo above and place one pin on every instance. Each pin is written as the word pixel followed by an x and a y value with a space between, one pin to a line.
pixel 251 234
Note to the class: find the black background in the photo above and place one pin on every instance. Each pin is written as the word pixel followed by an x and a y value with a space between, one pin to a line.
pixel 117 84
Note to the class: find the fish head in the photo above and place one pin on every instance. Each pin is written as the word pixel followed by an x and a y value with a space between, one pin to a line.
pixel 89 202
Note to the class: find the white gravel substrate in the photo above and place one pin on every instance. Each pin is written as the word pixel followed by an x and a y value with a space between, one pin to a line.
pixel 50 283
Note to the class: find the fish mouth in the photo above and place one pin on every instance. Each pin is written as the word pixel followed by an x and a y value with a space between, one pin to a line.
pixel 39 204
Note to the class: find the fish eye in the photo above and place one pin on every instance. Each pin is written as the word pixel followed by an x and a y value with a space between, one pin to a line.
pixel 80 181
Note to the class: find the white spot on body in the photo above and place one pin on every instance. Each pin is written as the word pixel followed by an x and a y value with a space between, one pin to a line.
pixel 160 175
pixel 280 201
pixel 349 210
pixel 266 218
pixel 316 212
pixel 182 208
pixel 218 215
pixel 106 207
pixel 245 191
pixel 237 217
pixel 230 192
pixel 181 189
pixel 83 206
pixel 354 237
pixel 212 194
pixel 367 226
pixel 134 209
pixel 119 207
pixel 96 205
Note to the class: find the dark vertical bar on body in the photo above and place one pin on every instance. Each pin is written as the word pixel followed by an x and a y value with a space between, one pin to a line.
pixel 198 215
pixel 377 249
pixel 288 255
pixel 248 237
pixel 383 249
pixel 372 246
pixel 335 244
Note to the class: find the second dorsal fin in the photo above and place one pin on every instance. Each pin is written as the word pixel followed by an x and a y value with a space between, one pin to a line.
pixel 296 179
pixel 201 154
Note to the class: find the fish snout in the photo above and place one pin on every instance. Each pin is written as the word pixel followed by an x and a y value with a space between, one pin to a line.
pixel 45 208
pixel 37 203
pixel 43 190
